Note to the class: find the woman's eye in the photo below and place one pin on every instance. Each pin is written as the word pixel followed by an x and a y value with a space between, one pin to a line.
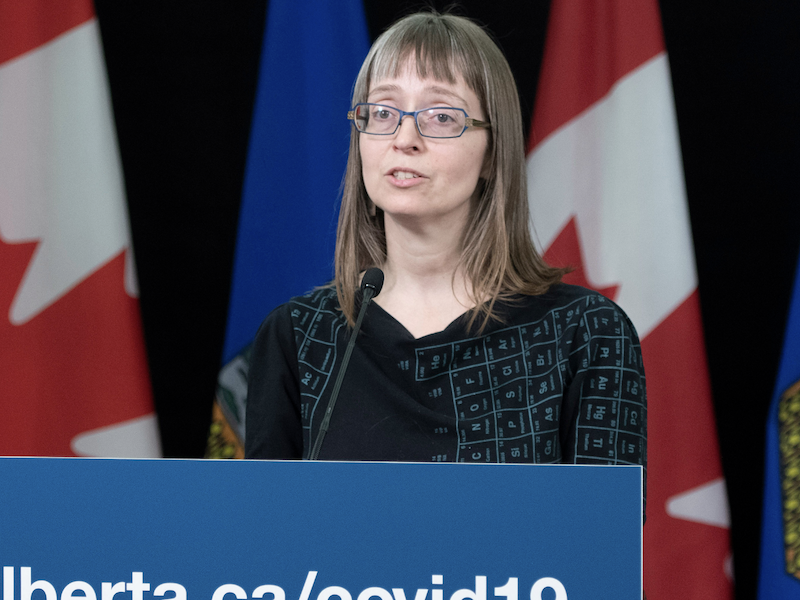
pixel 443 118
pixel 383 114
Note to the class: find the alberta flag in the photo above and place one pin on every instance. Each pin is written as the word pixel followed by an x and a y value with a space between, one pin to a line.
pixel 298 151
pixel 72 359
pixel 779 577
pixel 607 197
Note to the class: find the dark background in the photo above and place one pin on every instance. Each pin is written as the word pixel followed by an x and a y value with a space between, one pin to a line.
pixel 183 76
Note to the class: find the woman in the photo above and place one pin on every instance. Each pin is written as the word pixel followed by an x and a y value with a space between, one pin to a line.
pixel 474 350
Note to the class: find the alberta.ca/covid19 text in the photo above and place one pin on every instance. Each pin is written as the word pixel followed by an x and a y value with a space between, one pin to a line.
pixel 139 589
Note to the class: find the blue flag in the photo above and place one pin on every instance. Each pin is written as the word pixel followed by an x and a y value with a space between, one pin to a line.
pixel 297 156
pixel 779 575
pixel 299 141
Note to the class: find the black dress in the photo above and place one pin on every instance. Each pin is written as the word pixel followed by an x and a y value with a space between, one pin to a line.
pixel 560 380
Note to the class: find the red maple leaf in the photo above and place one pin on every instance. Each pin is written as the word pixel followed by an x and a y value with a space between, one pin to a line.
pixel 567 251
pixel 77 365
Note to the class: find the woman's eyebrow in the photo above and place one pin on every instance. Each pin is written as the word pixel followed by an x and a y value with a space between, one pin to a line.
pixel 443 91
pixel 386 87
pixel 430 89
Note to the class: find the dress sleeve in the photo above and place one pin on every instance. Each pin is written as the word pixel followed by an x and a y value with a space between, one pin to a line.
pixel 273 428
pixel 606 403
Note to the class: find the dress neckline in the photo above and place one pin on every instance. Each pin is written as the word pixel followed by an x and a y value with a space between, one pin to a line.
pixel 387 316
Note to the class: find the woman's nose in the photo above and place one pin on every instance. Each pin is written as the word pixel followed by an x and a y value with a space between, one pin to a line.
pixel 407 133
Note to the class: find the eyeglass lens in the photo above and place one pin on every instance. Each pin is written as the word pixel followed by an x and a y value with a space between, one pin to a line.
pixel 432 122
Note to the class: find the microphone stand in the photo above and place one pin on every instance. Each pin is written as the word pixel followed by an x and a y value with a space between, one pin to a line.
pixel 371 285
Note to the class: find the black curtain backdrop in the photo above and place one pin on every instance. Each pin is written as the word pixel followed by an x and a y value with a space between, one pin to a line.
pixel 183 77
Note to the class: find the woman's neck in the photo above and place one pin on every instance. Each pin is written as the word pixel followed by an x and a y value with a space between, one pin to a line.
pixel 425 288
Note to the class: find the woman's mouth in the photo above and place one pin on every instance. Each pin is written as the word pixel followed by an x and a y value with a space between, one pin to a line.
pixel 404 175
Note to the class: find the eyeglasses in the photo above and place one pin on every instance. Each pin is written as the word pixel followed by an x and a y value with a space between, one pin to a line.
pixel 436 122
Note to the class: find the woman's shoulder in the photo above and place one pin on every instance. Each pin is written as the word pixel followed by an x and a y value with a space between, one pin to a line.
pixel 570 292
pixel 319 304
pixel 321 299
pixel 559 296
pixel 606 314
pixel 567 304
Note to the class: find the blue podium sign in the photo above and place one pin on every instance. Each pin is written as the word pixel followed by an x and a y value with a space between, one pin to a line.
pixel 106 529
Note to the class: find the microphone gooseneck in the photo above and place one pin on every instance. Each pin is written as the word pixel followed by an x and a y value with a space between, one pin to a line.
pixel 371 285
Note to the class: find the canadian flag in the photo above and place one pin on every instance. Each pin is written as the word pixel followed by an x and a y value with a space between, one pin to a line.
pixel 607 196
pixel 73 373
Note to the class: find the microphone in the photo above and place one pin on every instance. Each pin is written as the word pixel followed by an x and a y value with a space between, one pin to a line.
pixel 371 285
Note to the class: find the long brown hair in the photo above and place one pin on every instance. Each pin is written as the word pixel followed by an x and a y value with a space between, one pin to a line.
pixel 498 256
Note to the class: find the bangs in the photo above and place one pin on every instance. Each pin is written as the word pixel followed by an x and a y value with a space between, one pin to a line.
pixel 436 46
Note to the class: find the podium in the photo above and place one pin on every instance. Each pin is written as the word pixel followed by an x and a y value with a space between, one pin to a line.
pixel 119 529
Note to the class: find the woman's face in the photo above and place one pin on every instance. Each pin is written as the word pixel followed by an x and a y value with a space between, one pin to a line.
pixel 413 177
